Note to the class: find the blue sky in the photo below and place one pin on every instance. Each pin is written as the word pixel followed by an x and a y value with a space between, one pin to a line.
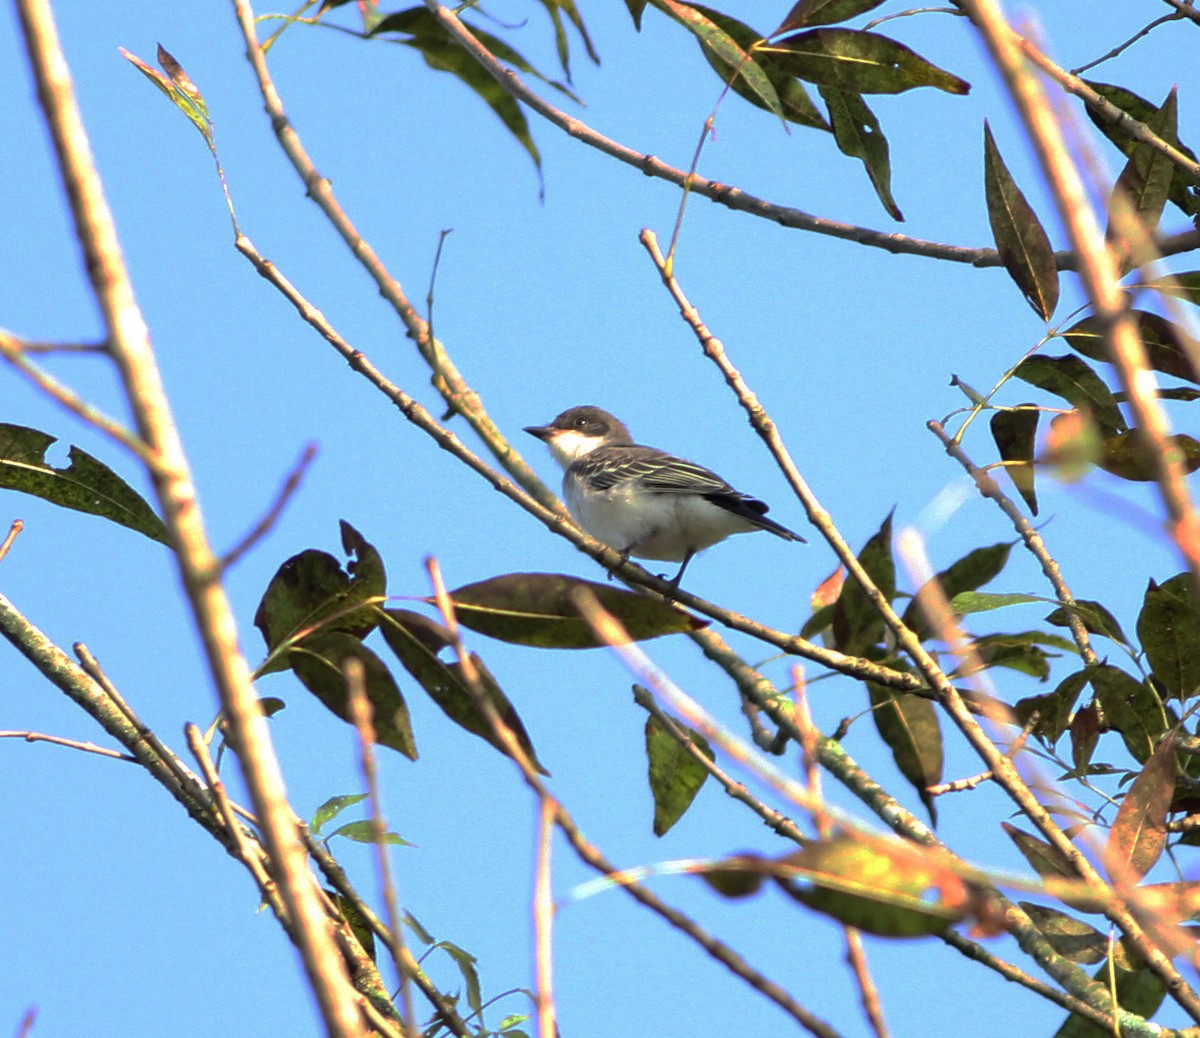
pixel 122 914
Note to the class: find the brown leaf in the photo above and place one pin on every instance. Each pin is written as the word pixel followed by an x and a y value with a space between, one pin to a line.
pixel 1139 832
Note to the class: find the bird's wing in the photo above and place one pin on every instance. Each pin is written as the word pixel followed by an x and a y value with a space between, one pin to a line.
pixel 651 469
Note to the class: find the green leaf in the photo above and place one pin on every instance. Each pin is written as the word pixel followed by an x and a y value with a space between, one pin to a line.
pixel 1070 937
pixel 85 485
pixel 1183 193
pixel 1185 286
pixel 824 12
pixel 1139 992
pixel 1168 628
pixel 364 832
pixel 311 593
pixel 636 8
pixel 1053 708
pixel 857 624
pixel 333 807
pixel 1043 857
pixel 1021 652
pixel 408 636
pixel 1096 619
pixel 1163 340
pixel 983 601
pixel 539 610
pixel 973 570
pixel 1127 456
pixel 794 104
pixel 1070 378
pixel 179 89
pixel 317 662
pixel 1145 182
pixel 1139 832
pixel 861 62
pixel 714 39
pixel 442 52
pixel 675 775
pixel 858 135
pixel 909 725
pixel 1015 432
pixel 1021 240
pixel 1131 707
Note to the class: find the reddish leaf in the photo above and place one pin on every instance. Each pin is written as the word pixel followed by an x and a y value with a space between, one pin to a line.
pixel 1139 832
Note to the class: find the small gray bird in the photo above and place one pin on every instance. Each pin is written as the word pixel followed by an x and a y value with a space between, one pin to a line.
pixel 643 501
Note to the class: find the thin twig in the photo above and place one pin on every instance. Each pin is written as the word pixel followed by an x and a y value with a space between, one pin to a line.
pixel 14 529
pixel 1185 8
pixel 1145 30
pixel 543 921
pixel 74 744
pixel 268 521
pixel 856 956
pixel 354 675
pixel 31 346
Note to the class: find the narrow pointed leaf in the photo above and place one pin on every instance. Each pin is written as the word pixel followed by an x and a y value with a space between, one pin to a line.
pixel 1022 242
pixel 1139 992
pixel 858 134
pixel 1053 708
pixel 317 662
pixel 1168 628
pixel 857 624
pixel 675 775
pixel 1139 832
pixel 1167 345
pixel 407 636
pixel 538 609
pixel 1015 433
pixel 824 12
pixel 794 103
pixel 85 485
pixel 972 571
pixel 910 727
pixel 1085 737
pixel 984 601
pixel 862 62
pixel 1185 286
pixel 179 89
pixel 363 831
pixel 1131 707
pixel 311 592
pixel 1183 193
pixel 716 41
pixel 333 807
pixel 1096 619
pixel 1145 182
pixel 1043 857
pixel 1070 378
pixel 1127 456
pixel 636 9
pixel 1070 937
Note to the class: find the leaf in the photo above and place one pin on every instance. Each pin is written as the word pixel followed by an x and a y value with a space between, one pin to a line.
pixel 675 775
pixel 862 62
pixel 180 90
pixel 1168 628
pixel 973 570
pixel 880 886
pixel 1053 708
pixel 1183 194
pixel 1070 378
pixel 715 40
pixel 794 104
pixel 317 662
pixel 408 637
pixel 538 610
pixel 364 832
pixel 1021 240
pixel 1185 286
pixel 636 8
pixel 442 52
pixel 311 593
pixel 1139 992
pixel 1085 736
pixel 85 485
pixel 1070 937
pixel 824 12
pixel 1015 432
pixel 355 920
pixel 1044 858
pixel 1139 832
pixel 858 135
pixel 1021 652
pixel 910 727
pixel 1131 707
pixel 983 601
pixel 857 624
pixel 1096 619
pixel 333 807
pixel 1143 185
pixel 1163 340
pixel 1127 456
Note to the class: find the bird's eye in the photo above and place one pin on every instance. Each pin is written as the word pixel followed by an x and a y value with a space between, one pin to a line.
pixel 580 423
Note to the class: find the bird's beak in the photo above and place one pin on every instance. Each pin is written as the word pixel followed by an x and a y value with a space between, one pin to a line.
pixel 542 432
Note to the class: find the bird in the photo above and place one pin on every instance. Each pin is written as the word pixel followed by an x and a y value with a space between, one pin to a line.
pixel 643 501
